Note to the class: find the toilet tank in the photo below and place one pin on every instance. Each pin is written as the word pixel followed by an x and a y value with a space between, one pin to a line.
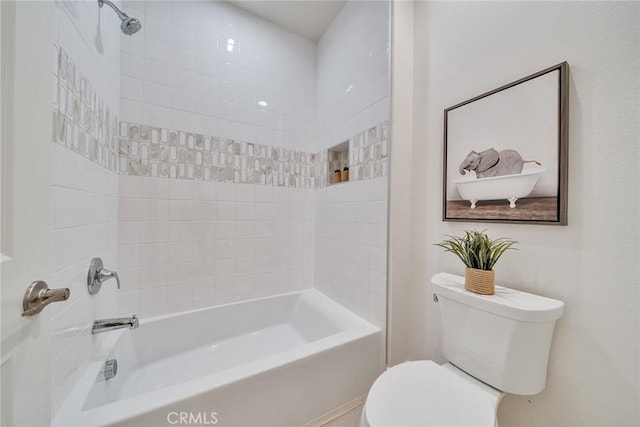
pixel 501 339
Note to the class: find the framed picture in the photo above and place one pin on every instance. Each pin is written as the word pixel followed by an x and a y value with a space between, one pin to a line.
pixel 505 153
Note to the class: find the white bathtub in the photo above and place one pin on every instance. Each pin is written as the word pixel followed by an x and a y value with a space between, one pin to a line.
pixel 282 360
pixel 509 187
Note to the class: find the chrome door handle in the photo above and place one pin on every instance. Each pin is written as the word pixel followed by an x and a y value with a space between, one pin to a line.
pixel 98 274
pixel 38 296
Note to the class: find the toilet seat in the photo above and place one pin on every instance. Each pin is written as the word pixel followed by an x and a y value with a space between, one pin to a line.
pixel 425 394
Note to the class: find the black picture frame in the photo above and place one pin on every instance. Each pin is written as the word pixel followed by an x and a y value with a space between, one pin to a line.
pixel 526 122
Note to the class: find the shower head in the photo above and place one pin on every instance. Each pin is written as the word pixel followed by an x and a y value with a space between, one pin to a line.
pixel 129 25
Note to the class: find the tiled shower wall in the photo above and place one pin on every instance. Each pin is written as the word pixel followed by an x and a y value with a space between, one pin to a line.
pixel 186 244
pixel 216 99
pixel 351 246
pixel 353 72
pixel 353 98
pixel 181 239
pixel 210 68
pixel 86 70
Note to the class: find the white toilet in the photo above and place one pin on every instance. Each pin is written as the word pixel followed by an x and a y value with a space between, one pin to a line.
pixel 495 344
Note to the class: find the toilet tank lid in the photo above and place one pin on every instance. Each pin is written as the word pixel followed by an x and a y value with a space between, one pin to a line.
pixel 506 302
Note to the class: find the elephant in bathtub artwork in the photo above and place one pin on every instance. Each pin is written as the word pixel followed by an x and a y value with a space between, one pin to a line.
pixel 498 175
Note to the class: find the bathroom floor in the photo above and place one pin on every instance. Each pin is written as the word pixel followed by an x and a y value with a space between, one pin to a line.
pixel 350 419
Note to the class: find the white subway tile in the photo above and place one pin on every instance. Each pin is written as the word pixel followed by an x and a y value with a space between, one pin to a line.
pixel 131 88
pixel 204 231
pixel 226 229
pixel 130 209
pixel 226 211
pixel 180 296
pixel 128 233
pixel 159 50
pixel 153 276
pixel 154 254
pixel 129 255
pixel 225 249
pixel 204 190
pixel 181 231
pixel 155 115
pixel 157 72
pixel 204 210
pixel 157 94
pixel 132 65
pixel 154 232
pixel 182 79
pixel 225 191
pixel 154 188
pixel 181 189
pixel 153 301
pixel 155 210
pixel 181 251
pixel 181 210
pixel 129 278
pixel 129 302
pixel 224 268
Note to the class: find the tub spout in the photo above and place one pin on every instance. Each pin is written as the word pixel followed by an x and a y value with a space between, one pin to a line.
pixel 106 325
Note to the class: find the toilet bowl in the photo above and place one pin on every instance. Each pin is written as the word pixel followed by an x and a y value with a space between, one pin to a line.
pixel 495 344
pixel 425 394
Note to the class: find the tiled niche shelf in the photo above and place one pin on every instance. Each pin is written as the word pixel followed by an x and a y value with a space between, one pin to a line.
pixel 338 160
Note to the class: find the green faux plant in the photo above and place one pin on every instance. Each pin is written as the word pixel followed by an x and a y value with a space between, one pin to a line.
pixel 476 249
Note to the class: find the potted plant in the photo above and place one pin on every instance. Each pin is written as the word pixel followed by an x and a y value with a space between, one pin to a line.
pixel 479 253
pixel 345 174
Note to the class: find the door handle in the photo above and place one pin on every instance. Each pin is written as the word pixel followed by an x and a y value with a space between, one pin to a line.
pixel 38 296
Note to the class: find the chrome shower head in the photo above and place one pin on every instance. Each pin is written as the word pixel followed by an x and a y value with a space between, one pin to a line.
pixel 129 25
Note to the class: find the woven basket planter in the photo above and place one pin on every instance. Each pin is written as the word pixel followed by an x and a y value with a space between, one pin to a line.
pixel 480 281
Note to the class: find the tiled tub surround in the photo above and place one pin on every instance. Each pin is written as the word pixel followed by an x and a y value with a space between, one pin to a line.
pixel 192 230
pixel 183 242
pixel 351 246
pixel 353 72
pixel 187 243
pixel 212 68
pixel 84 183
pixel 82 122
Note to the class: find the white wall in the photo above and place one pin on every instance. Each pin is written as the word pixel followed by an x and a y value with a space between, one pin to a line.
pixel 85 184
pixel 351 246
pixel 188 244
pixel 178 73
pixel 353 72
pixel 466 48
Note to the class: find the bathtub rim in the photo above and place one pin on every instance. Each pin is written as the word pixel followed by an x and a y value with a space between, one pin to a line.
pixel 525 172
pixel 72 411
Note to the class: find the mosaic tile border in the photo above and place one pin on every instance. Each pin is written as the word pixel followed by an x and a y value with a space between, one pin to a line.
pixel 81 120
pixel 153 151
pixel 83 123
pixel 368 156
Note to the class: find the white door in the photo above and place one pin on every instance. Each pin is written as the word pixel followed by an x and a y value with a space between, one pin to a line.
pixel 26 39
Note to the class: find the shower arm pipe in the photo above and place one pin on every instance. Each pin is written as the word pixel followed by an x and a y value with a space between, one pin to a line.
pixel 120 13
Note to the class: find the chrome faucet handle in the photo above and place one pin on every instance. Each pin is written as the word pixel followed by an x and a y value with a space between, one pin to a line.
pixel 98 274
pixel 104 274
